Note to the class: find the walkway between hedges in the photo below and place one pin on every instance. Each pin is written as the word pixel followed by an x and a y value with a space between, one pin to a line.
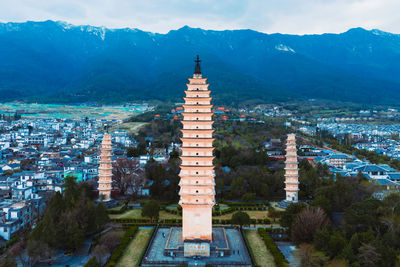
pixel 133 252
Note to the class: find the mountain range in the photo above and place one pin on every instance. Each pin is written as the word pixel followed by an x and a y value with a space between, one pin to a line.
pixel 53 61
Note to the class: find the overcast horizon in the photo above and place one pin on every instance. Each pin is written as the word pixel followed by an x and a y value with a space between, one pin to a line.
pixel 284 16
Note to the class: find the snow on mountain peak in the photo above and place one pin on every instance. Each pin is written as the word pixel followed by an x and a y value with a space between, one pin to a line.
pixel 282 47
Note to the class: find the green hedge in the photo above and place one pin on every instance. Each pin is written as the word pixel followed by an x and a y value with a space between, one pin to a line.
pixel 129 225
pixel 146 221
pixel 120 211
pixel 247 204
pixel 239 207
pixel 173 211
pixel 127 237
pixel 276 253
pixel 147 245
pixel 253 258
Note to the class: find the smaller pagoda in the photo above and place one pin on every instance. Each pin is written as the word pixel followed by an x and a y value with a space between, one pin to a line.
pixel 291 170
pixel 105 169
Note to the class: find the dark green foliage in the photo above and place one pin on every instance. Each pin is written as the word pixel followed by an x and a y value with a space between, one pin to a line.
pixel 362 216
pixel 165 180
pixel 336 244
pixel 248 197
pixel 273 213
pixel 309 180
pixel 92 263
pixel 324 203
pixel 369 237
pixel 163 133
pixel 233 157
pixel 151 209
pixel 289 215
pixel 279 259
pixel 321 239
pixel 136 151
pixel 126 239
pixel 240 218
pixel 8 261
pixel 123 208
pixel 9 243
pixel 70 217
pixel 340 194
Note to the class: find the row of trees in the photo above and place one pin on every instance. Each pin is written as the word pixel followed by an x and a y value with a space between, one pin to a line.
pixel 342 224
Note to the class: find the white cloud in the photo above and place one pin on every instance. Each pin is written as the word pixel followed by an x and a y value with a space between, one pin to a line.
pixel 286 16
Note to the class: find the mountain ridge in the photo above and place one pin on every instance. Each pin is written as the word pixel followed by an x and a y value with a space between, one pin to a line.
pixel 41 61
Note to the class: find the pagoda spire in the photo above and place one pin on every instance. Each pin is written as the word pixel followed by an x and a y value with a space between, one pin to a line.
pixel 197 69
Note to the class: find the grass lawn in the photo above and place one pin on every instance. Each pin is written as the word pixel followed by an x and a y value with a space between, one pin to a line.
pixel 254 214
pixel 133 214
pixel 130 127
pixel 132 253
pixel 261 254
pixel 116 208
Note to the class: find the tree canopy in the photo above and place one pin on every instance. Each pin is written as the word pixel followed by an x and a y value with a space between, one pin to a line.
pixel 151 209
pixel 240 218
pixel 70 217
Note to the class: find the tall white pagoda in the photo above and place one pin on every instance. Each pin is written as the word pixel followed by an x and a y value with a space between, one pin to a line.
pixel 105 169
pixel 197 194
pixel 291 170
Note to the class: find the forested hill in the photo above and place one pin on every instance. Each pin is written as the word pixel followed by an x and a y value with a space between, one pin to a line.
pixel 56 61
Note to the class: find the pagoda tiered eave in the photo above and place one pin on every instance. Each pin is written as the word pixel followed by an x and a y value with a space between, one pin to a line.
pixel 188 99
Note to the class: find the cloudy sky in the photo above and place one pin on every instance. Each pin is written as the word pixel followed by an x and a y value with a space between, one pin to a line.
pixel 285 16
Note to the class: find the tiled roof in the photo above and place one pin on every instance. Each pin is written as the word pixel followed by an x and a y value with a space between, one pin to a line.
pixel 371 168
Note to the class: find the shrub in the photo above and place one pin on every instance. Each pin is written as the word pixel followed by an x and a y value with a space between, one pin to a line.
pixel 276 253
pixel 241 218
pixel 252 256
pixel 120 211
pixel 128 236
pixel 92 263
pixel 147 244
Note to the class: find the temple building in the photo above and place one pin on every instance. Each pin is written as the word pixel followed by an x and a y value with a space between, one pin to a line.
pixel 105 169
pixel 197 194
pixel 291 170
pixel 197 242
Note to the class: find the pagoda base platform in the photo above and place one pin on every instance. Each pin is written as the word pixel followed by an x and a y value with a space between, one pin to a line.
pixel 189 248
pixel 226 249
pixel 285 203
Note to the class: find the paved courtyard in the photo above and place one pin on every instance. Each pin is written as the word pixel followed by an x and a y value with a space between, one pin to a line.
pixel 155 253
pixel 288 249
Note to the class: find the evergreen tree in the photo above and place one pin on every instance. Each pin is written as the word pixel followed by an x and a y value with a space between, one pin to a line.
pixel 151 209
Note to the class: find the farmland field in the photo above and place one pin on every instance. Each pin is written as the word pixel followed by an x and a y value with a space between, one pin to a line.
pixel 74 112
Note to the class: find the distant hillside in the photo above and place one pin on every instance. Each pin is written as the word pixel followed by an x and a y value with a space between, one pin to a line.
pixel 58 62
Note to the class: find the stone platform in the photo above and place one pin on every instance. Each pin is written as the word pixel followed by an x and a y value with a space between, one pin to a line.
pixel 167 249
pixel 218 247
